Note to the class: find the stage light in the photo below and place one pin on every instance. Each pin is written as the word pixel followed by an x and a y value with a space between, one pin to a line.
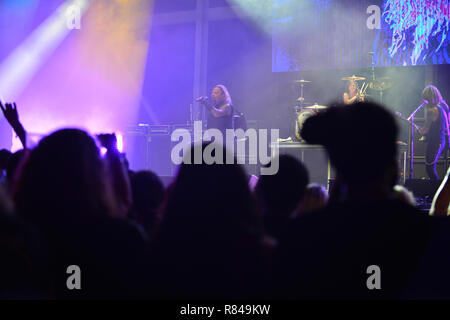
pixel 20 66
pixel 119 138
pixel 260 11
pixel 93 79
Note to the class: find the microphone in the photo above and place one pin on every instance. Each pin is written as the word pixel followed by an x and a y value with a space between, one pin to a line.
pixel 201 99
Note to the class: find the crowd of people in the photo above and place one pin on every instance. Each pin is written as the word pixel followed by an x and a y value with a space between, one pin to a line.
pixel 208 235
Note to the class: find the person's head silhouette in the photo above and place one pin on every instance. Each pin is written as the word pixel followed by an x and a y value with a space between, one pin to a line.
pixel 360 140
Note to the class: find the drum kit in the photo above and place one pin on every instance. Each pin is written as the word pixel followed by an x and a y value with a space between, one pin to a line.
pixel 303 113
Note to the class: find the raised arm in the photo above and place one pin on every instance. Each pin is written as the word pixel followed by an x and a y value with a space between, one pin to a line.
pixel 348 100
pixel 221 111
pixel 205 101
pixel 10 112
pixel 117 172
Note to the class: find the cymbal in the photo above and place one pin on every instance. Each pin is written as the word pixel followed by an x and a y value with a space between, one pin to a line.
pixel 302 81
pixel 354 78
pixel 381 84
pixel 316 106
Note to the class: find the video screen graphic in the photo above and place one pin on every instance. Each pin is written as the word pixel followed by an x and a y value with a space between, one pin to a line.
pixel 338 34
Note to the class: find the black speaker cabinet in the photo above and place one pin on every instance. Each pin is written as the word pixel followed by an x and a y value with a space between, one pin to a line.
pixel 150 152
pixel 135 149
pixel 314 159
pixel 159 155
pixel 419 171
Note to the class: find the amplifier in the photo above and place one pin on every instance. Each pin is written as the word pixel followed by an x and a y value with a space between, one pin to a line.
pixel 182 126
pixel 139 130
pixel 144 129
pixel 419 170
pixel 158 130
pixel 148 147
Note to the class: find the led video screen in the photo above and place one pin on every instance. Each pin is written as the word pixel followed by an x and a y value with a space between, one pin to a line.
pixel 338 34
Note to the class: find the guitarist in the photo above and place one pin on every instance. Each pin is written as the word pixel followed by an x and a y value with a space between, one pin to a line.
pixel 436 128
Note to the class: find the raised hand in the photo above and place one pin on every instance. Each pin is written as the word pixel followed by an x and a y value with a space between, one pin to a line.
pixel 12 116
pixel 204 101
pixel 10 113
pixel 108 140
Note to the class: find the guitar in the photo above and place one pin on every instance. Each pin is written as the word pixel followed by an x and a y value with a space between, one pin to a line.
pixel 416 127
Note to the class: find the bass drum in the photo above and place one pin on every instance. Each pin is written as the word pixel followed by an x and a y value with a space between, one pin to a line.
pixel 301 118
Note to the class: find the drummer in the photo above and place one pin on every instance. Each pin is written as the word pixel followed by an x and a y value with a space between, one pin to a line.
pixel 352 95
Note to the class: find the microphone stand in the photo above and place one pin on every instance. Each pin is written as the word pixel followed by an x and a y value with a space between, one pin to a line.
pixel 301 95
pixel 411 140
pixel 373 65
pixel 372 54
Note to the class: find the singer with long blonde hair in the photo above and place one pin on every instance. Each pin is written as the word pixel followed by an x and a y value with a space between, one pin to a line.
pixel 220 114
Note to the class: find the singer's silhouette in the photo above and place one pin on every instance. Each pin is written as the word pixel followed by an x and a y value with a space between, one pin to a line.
pixel 220 115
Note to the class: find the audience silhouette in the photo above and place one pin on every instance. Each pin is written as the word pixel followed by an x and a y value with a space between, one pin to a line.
pixel 209 235
pixel 209 242
pixel 327 254
pixel 279 194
